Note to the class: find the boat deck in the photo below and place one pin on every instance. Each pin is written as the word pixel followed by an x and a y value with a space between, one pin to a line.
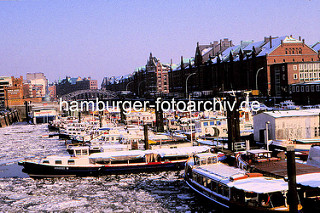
pixel 279 168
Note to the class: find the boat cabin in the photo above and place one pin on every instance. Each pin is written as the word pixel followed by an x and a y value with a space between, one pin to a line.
pixel 205 159
pixel 259 155
pixel 64 161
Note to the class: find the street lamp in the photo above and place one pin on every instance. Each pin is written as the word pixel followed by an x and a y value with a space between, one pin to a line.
pixel 257 77
pixel 139 87
pixel 128 85
pixel 267 136
pixel 187 83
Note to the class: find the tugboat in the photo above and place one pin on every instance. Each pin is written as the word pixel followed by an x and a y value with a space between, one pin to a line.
pixel 235 188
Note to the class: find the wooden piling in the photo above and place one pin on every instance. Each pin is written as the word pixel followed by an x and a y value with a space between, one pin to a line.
pixel 292 193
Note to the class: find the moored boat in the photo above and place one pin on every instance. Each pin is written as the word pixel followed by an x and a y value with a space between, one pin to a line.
pixel 235 188
pixel 83 164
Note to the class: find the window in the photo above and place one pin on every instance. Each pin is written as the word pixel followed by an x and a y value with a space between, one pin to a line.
pixel 318 88
pixel 205 123
pixel 58 162
pixel 218 123
pixel 295 67
pixel 302 88
pixel 71 162
pixel 211 123
pixel 293 89
pixel 284 60
pixel 295 76
pixel 78 152
pixel 307 88
pixel 45 161
pixel 312 88
pixel 297 89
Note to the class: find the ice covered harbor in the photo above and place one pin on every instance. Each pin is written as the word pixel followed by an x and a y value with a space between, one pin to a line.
pixel 148 192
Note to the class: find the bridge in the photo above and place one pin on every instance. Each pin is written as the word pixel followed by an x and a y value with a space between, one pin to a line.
pixel 86 95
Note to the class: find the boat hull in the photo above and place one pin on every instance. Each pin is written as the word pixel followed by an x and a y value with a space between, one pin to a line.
pixel 37 170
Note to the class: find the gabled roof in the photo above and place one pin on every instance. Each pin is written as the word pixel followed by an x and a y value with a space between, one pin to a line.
pixel 266 49
pixel 316 46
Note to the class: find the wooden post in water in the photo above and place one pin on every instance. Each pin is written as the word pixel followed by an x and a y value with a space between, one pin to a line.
pixel 146 139
pixel 233 121
pixel 100 119
pixel 27 111
pixel 79 116
pixel 159 120
pixel 292 184
pixel 122 115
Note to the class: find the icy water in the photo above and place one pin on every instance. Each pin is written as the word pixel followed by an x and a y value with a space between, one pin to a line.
pixel 147 192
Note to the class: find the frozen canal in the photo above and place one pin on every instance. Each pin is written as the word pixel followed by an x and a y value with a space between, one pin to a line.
pixel 149 192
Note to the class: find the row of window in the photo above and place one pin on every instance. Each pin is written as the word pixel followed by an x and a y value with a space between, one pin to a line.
pixel 309 66
pixel 307 88
pixel 59 162
pixel 218 123
pixel 212 185
pixel 316 131
pixel 293 51
pixel 284 60
pixel 309 75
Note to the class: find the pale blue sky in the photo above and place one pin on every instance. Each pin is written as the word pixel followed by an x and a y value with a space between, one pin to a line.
pixel 106 38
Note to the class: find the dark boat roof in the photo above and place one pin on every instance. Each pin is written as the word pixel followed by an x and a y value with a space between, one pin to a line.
pixel 279 168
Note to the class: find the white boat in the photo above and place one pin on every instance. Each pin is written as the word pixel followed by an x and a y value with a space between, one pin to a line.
pixel 235 188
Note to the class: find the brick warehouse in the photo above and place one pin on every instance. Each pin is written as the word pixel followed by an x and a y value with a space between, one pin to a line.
pixel 236 68
pixel 223 66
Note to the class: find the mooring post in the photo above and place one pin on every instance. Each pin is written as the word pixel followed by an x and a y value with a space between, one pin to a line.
pixel 146 139
pixel 27 111
pixel 292 184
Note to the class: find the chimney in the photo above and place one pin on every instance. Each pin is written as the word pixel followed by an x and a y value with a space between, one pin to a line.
pixel 270 41
pixel 291 36
pixel 281 42
pixel 230 43
pixel 220 45
pixel 299 38
pixel 303 42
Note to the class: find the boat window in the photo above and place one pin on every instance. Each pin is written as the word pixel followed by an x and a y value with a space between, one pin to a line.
pixel 211 123
pixel 71 162
pixel 84 152
pixel 204 181
pixel 264 200
pixel 208 183
pixel 203 161
pixel 220 189
pixel 213 186
pixel 225 191
pixel 58 162
pixel 277 199
pixel 251 199
pixel 45 161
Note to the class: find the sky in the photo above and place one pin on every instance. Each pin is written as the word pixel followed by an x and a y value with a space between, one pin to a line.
pixel 104 38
